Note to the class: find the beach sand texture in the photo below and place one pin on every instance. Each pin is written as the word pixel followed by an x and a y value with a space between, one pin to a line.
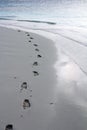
pixel 26 74
pixel 41 87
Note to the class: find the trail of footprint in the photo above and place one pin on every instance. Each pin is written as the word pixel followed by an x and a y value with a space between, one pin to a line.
pixel 26 102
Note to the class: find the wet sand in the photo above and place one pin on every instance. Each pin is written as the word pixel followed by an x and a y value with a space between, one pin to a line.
pixel 42 88
pixel 27 79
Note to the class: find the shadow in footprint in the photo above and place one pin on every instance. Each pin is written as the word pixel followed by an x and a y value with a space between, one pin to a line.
pixel 35 73
pixel 39 56
pixel 19 30
pixel 35 45
pixel 15 77
pixel 21 116
pixel 35 63
pixel 30 90
pixel 36 49
pixel 26 104
pixel 24 85
pixel 29 41
pixel 9 127
pixel 51 103
pixel 31 38
pixel 28 34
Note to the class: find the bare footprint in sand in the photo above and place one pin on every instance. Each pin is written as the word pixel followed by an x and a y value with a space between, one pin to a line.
pixel 35 73
pixel 9 127
pixel 39 56
pixel 26 104
pixel 36 49
pixel 29 41
pixel 51 103
pixel 35 44
pixel 35 63
pixel 19 30
pixel 15 77
pixel 24 85
pixel 28 34
pixel 30 90
pixel 31 38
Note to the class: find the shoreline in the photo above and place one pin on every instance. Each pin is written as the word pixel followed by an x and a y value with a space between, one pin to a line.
pixel 68 37
pixel 38 69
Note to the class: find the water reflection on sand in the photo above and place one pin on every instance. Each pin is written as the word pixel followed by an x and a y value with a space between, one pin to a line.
pixel 71 95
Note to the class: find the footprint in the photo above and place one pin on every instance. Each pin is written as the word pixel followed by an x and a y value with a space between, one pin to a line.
pixel 31 38
pixel 9 127
pixel 35 73
pixel 35 63
pixel 21 116
pixel 29 41
pixel 35 44
pixel 36 49
pixel 24 85
pixel 51 103
pixel 28 34
pixel 39 56
pixel 15 77
pixel 26 103
pixel 19 30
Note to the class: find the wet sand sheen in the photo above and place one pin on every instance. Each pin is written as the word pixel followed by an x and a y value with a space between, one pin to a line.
pixel 27 80
pixel 41 88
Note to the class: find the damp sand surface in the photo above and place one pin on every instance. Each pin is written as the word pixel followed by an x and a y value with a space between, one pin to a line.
pixel 26 75
pixel 41 87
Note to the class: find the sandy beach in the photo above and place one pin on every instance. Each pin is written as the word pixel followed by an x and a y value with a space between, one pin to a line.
pixel 26 57
pixel 43 64
pixel 42 88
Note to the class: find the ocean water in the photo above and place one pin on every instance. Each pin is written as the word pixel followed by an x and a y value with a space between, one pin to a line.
pixel 62 12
